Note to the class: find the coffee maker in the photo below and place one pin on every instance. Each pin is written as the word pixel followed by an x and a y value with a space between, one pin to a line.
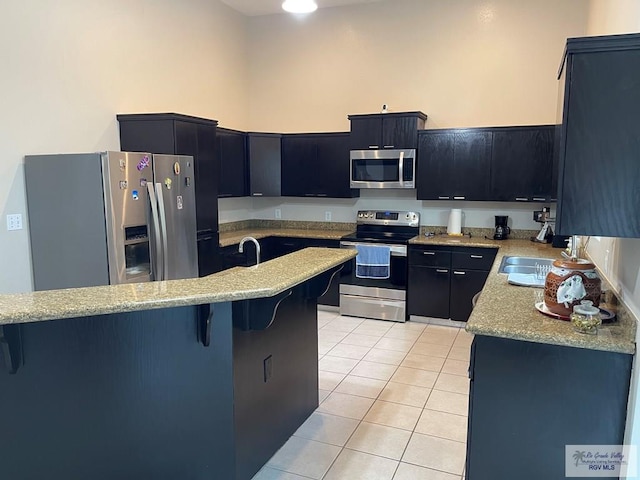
pixel 502 230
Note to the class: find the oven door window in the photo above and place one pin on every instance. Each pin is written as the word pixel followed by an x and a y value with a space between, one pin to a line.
pixel 376 170
pixel 397 276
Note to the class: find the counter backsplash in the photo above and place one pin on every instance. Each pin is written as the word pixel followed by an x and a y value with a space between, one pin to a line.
pixel 479 232
pixel 301 225
pixel 292 224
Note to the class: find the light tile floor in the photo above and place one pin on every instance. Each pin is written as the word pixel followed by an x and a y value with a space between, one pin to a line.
pixel 393 405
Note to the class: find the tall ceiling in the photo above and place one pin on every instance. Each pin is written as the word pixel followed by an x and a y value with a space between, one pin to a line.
pixel 268 7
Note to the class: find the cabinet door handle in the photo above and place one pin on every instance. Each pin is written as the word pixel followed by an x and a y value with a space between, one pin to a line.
pixel 322 195
pixel 522 199
pixel 539 199
pixel 459 273
pixel 428 253
pixel 256 194
pixel 442 271
pixel 459 198
pixel 476 256
pixel 443 198
pixel 374 146
pixel 388 146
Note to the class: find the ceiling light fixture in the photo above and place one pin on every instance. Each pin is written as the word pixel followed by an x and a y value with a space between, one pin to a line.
pixel 299 6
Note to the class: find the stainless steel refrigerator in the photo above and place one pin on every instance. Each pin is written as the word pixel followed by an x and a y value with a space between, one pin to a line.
pixel 110 218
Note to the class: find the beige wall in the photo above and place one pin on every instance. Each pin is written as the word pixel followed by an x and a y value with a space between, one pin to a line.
pixel 69 66
pixel 619 258
pixel 607 17
pixel 463 62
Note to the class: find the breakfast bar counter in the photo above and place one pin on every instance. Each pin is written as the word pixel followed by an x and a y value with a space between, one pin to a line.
pixel 200 378
pixel 265 280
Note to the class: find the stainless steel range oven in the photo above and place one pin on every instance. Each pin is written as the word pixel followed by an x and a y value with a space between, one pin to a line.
pixel 384 296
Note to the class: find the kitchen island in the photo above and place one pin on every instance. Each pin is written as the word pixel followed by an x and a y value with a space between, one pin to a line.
pixel 199 378
pixel 536 384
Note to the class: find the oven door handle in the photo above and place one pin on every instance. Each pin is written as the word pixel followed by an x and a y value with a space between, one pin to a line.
pixel 396 250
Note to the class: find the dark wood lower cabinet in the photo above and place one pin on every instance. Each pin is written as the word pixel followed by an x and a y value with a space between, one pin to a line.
pixel 429 291
pixel 464 285
pixel 443 280
pixel 138 396
pixel 528 400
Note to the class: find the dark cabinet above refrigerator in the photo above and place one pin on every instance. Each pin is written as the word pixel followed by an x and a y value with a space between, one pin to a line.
pixel 386 130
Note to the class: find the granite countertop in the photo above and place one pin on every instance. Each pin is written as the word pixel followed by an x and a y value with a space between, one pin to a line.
pixel 265 280
pixel 234 237
pixel 507 311
pixel 466 241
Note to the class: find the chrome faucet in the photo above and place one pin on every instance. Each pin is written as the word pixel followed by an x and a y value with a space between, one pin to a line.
pixel 241 247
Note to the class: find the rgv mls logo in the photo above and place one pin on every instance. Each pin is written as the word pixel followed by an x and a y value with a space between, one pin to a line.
pixel 600 461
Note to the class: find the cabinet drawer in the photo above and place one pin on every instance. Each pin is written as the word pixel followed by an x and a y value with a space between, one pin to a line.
pixel 473 258
pixel 429 257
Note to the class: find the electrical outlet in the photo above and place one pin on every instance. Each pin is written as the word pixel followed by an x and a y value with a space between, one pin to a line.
pixel 278 214
pixel 14 221
pixel 327 216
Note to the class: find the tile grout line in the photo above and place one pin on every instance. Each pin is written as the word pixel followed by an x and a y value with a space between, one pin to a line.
pixel 386 384
pixel 360 421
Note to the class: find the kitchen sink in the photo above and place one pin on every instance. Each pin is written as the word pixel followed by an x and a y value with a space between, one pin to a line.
pixel 517 269
pixel 523 264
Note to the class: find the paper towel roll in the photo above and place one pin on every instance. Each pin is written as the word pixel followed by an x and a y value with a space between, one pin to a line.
pixel 455 222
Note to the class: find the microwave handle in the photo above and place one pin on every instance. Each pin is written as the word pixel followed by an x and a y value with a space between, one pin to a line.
pixel 401 168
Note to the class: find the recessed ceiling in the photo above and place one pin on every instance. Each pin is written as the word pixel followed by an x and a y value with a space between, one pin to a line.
pixel 268 7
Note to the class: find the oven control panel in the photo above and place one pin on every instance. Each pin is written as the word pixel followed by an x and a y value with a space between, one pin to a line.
pixel 388 217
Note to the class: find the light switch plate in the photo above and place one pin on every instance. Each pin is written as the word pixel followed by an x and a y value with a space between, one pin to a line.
pixel 327 216
pixel 278 214
pixel 14 221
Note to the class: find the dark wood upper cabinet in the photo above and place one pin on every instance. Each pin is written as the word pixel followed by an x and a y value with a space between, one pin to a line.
pixel 177 134
pixel 264 154
pixel 522 164
pixel 386 130
pixel 299 155
pixel 454 164
pixel 231 151
pixel 316 165
pixel 599 169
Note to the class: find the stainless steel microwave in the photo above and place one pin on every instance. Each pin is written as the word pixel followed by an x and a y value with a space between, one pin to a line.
pixel 383 168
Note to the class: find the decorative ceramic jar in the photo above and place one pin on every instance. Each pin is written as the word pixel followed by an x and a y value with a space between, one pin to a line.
pixel 568 283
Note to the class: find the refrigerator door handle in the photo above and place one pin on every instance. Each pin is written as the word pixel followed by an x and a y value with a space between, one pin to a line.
pixel 158 264
pixel 163 228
